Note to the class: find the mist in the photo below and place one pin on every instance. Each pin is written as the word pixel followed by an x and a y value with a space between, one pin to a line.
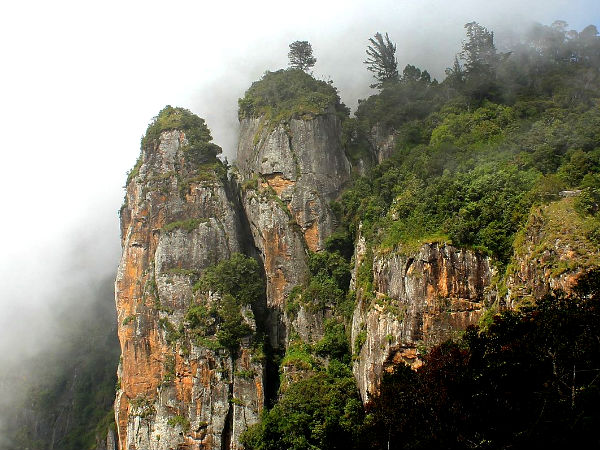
pixel 82 80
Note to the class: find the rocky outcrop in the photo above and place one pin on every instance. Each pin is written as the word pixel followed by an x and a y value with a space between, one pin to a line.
pixel 179 217
pixel 289 173
pixel 551 252
pixel 418 300
pixel 383 142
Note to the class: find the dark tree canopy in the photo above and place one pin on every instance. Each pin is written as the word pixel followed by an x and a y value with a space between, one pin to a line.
pixel 301 55
pixel 479 52
pixel 412 73
pixel 382 60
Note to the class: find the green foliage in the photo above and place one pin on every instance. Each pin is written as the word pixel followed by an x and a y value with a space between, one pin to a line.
pixel 204 173
pixel 335 342
pixel 135 171
pixel 199 148
pixel 232 327
pixel 299 355
pixel 559 222
pixel 186 225
pixel 397 105
pixel 244 373
pixel 286 94
pixel 480 126
pixel 321 411
pixel 169 368
pixel 172 335
pixel 330 265
pixel 239 283
pixel 238 276
pixel 474 182
pixel 127 320
pixel 360 340
pixel 381 60
pixel 142 407
pixel 179 421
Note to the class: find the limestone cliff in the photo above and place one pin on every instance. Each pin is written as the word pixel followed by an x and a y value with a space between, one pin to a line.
pixel 289 174
pixel 418 300
pixel 178 218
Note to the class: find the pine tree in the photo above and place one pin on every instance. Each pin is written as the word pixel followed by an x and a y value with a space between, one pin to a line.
pixel 382 60
pixel 301 55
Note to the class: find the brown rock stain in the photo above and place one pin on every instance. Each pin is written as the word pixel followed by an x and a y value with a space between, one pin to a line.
pixel 275 253
pixel 311 236
pixel 277 182
pixel 184 379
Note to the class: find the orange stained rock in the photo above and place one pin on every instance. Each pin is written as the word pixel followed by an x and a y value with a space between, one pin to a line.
pixel 122 415
pixel 275 251
pixel 259 393
pixel 406 355
pixel 184 379
pixel 311 236
pixel 277 182
pixel 142 369
pixel 206 374
pixel 443 282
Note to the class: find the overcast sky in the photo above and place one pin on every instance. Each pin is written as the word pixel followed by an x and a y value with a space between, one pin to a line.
pixel 80 81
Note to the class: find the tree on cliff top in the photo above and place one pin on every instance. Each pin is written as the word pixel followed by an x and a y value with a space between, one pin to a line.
pixel 382 60
pixel 301 55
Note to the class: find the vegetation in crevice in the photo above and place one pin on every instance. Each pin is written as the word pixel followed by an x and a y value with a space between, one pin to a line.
pixel 185 225
pixel 220 324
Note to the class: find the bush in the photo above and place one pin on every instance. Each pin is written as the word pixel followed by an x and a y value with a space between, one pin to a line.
pixel 321 411
pixel 199 149
pixel 286 94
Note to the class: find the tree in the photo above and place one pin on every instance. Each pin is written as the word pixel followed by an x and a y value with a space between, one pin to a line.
pixel 479 52
pixel 481 61
pixel 301 55
pixel 412 73
pixel 382 60
pixel 455 75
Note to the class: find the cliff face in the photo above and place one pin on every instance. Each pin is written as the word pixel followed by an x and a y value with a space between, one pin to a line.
pixel 179 217
pixel 179 386
pixel 289 174
pixel 383 142
pixel 420 300
pixel 551 253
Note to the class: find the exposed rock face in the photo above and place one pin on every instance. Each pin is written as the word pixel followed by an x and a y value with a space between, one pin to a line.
pixel 178 218
pixel 289 174
pixel 383 142
pixel 551 252
pixel 420 299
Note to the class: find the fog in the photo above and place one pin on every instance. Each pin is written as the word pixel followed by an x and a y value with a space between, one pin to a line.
pixel 81 81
